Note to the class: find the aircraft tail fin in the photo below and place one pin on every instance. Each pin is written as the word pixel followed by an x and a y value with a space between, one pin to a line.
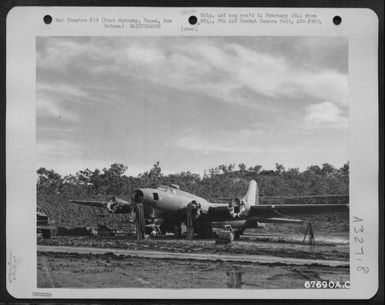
pixel 252 194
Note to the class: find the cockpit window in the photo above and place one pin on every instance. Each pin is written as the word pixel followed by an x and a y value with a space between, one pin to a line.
pixel 156 196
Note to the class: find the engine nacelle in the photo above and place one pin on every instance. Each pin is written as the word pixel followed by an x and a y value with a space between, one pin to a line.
pixel 118 206
pixel 195 208
pixel 237 208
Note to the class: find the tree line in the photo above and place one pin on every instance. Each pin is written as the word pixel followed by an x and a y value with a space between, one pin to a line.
pixel 218 182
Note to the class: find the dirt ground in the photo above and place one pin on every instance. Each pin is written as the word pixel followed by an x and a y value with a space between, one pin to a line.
pixel 107 271
pixel 93 270
pixel 249 244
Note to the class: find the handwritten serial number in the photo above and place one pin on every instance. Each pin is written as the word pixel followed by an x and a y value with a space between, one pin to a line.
pixel 358 237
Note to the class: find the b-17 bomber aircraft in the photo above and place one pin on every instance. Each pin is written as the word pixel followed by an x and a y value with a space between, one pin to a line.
pixel 168 207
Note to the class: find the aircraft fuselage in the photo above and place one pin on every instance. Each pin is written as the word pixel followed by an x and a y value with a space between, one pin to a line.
pixel 167 200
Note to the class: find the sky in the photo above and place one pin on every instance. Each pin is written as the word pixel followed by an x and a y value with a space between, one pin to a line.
pixel 191 103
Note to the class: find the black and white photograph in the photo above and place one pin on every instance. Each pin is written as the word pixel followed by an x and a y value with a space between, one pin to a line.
pixel 192 153
pixel 192 162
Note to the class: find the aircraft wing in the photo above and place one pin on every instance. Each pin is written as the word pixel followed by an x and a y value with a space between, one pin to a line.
pixel 255 222
pixel 99 204
pixel 113 205
pixel 278 213
pixel 290 210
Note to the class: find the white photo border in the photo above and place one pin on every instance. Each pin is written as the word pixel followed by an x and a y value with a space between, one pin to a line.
pixel 24 24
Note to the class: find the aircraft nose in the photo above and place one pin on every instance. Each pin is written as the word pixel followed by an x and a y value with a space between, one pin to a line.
pixel 148 197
